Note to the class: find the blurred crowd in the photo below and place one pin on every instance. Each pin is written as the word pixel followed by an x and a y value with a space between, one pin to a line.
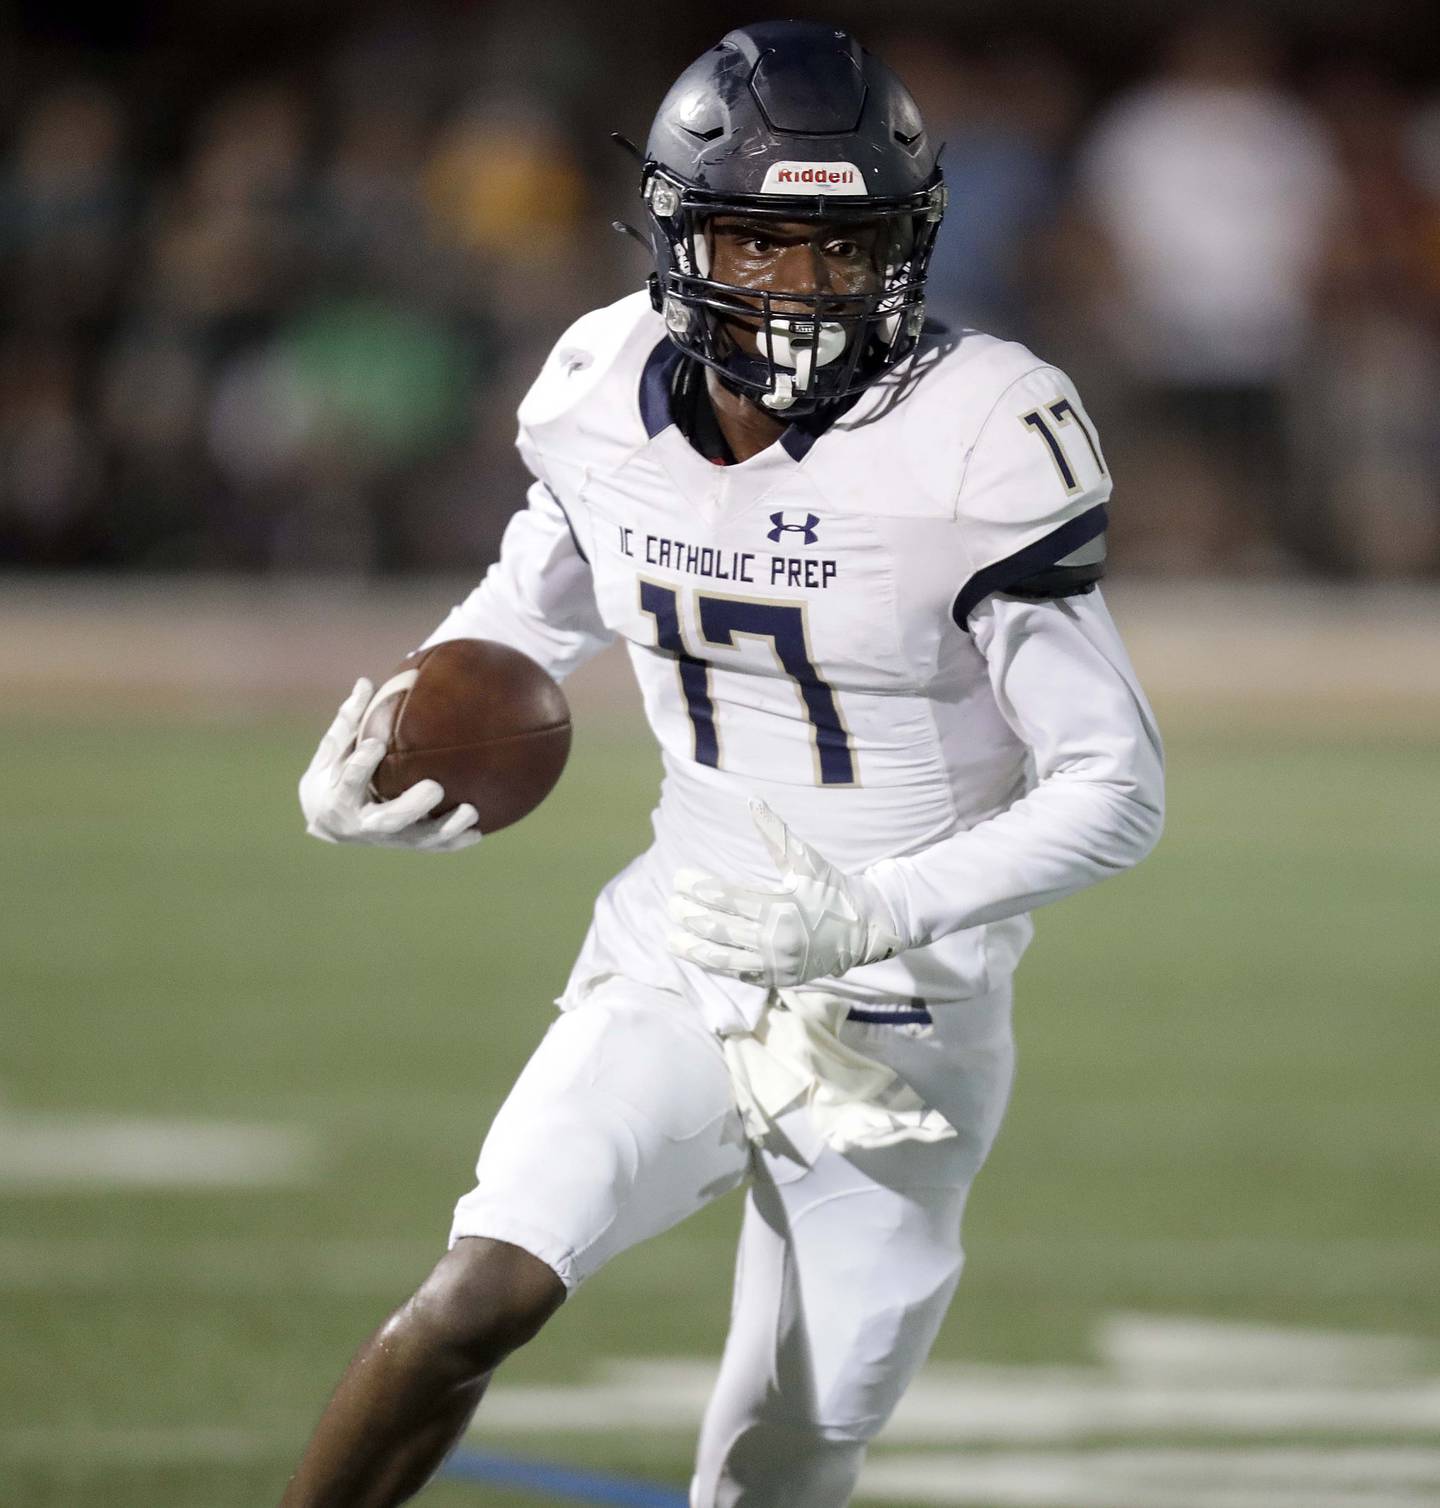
pixel 285 323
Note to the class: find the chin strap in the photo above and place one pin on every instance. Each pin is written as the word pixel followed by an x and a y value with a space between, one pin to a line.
pixel 784 395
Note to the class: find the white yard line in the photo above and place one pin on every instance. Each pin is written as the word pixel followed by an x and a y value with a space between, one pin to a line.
pixel 43 1153
pixel 1070 1406
pixel 91 1263
pixel 197 1443
pixel 998 1405
pixel 1158 1376
pixel 1152 1345
pixel 1126 1478
pixel 996 1436
pixel 236 1265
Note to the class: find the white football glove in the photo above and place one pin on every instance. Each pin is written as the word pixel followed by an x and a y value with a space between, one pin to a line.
pixel 335 793
pixel 820 922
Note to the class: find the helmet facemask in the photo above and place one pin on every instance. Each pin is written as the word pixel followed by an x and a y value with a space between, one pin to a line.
pixel 810 348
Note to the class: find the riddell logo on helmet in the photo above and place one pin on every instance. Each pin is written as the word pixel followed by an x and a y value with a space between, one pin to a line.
pixel 806 178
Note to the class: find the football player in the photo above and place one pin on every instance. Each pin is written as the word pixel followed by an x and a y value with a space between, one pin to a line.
pixel 853 559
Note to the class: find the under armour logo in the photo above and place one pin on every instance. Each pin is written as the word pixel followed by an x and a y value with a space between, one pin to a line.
pixel 781 527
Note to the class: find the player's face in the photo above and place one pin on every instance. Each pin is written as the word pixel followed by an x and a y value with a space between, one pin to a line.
pixel 802 257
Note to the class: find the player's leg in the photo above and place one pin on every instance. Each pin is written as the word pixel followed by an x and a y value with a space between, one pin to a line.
pixel 845 1271
pixel 840 1289
pixel 410 1390
pixel 621 1124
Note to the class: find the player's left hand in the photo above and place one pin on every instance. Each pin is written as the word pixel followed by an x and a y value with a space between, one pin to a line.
pixel 819 922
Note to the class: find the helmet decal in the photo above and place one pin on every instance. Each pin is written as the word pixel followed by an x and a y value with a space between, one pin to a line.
pixel 813 178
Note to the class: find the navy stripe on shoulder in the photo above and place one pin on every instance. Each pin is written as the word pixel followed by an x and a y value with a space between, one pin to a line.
pixel 655 387
pixel 1034 557
pixel 564 513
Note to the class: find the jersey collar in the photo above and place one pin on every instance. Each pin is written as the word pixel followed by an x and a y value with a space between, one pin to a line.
pixel 655 411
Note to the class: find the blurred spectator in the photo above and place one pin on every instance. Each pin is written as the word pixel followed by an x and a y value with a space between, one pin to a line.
pixel 1212 188
pixel 65 204
pixel 49 463
pixel 1422 151
pixel 282 318
pixel 503 186
pixel 368 213
pixel 505 192
pixel 315 428
pixel 225 247
pixel 159 488
pixel 1370 419
pixel 1004 121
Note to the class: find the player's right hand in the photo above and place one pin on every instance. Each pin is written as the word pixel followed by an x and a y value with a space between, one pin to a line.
pixel 335 794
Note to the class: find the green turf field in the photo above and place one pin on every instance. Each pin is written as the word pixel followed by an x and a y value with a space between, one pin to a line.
pixel 1226 1106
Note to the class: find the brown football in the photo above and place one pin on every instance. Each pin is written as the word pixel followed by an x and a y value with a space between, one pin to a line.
pixel 481 718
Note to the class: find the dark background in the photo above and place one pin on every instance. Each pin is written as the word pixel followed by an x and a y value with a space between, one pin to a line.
pixel 275 275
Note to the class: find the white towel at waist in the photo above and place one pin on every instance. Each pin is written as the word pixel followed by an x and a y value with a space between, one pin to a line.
pixel 794 1056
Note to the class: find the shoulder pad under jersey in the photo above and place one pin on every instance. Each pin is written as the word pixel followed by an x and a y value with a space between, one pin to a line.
pixel 587 389
pixel 910 443
pixel 1033 489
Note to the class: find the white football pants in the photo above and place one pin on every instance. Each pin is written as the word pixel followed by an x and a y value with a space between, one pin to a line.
pixel 623 1123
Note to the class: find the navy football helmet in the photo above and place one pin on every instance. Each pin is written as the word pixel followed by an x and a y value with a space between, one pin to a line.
pixel 791 121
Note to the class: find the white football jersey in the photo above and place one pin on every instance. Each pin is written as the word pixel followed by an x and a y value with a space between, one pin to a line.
pixel 817 626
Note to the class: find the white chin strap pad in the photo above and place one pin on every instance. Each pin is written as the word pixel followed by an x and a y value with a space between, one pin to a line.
pixel 798 356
